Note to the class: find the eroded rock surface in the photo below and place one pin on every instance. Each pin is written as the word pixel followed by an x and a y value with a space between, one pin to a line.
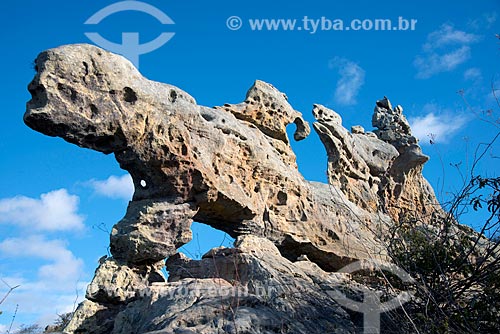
pixel 230 167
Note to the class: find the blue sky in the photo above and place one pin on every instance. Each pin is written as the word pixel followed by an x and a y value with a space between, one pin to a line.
pixel 57 201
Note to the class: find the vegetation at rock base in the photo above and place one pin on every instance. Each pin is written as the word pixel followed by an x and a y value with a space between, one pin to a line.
pixel 457 270
pixel 31 329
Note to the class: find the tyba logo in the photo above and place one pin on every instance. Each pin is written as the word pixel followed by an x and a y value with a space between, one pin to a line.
pixel 130 46
pixel 372 306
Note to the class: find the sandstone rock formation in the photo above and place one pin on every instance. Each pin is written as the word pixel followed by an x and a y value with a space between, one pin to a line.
pixel 230 167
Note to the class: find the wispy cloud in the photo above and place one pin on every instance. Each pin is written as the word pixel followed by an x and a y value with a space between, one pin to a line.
pixel 54 211
pixel 436 125
pixel 352 78
pixel 486 21
pixel 444 50
pixel 434 63
pixel 473 74
pixel 447 35
pixel 118 187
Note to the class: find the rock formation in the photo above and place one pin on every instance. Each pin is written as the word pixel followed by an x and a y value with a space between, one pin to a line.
pixel 230 167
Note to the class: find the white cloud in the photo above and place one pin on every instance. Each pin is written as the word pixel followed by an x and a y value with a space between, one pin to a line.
pixel 352 78
pixel 54 211
pixel 48 283
pixel 445 50
pixel 436 125
pixel 114 187
pixel 63 266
